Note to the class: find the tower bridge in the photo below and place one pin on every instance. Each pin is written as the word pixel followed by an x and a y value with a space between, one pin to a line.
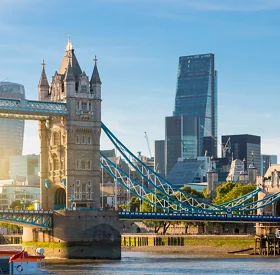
pixel 69 115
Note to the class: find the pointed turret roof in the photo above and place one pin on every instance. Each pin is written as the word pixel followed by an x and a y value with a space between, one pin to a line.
pixel 95 79
pixel 69 54
pixel 69 74
pixel 43 79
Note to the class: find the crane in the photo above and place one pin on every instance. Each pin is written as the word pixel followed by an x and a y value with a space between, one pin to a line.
pixel 146 137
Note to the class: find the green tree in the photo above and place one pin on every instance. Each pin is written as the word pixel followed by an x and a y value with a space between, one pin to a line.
pixel 229 191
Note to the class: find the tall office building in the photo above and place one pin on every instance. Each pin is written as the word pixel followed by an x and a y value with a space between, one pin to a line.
pixel 159 166
pixel 196 96
pixel 266 161
pixel 246 147
pixel 181 139
pixel 12 130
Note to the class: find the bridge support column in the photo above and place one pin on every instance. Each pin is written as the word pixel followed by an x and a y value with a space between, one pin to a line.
pixel 79 234
pixel 43 162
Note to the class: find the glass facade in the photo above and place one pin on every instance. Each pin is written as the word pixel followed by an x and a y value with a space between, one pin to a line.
pixel 181 139
pixel 196 96
pixel 12 130
pixel 246 147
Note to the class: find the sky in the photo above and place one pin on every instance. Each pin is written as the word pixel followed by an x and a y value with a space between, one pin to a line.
pixel 138 44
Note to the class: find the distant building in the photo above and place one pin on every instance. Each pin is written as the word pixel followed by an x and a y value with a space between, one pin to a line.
pixel 159 157
pixel 245 147
pixel 12 130
pixel 190 171
pixel 266 162
pixel 10 192
pixel 196 96
pixel 25 169
pixel 181 139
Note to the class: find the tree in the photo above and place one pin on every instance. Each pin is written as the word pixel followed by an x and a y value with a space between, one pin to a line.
pixel 229 191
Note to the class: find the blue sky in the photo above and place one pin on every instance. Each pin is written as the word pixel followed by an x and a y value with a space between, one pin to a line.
pixel 138 44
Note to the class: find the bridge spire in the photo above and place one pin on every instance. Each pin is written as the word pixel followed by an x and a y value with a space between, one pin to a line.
pixel 95 79
pixel 43 86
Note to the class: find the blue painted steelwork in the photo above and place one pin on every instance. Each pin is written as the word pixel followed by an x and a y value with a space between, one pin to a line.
pixel 40 219
pixel 172 198
pixel 30 109
pixel 158 182
pixel 198 217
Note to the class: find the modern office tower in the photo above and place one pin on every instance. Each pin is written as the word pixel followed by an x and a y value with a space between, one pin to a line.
pixel 25 169
pixel 181 139
pixel 196 96
pixel 159 157
pixel 12 130
pixel 246 147
pixel 266 161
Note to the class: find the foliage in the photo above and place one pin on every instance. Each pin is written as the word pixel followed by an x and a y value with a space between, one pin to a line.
pixel 19 205
pixel 193 192
pixel 229 191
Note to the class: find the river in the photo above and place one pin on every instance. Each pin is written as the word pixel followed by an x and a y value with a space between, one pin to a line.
pixel 154 263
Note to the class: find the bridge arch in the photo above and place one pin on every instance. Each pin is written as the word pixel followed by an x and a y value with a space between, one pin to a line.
pixel 59 199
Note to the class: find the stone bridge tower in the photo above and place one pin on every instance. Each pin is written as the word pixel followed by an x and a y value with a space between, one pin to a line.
pixel 70 146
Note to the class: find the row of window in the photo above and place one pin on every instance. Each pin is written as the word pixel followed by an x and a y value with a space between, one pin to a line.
pixel 84 106
pixel 83 139
pixel 83 165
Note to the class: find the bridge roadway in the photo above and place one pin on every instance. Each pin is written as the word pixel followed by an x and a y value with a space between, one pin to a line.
pixel 44 219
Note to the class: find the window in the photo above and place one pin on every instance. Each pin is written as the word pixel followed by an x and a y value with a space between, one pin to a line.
pixel 77 165
pixel 84 106
pixel 83 88
pixel 89 106
pixel 88 166
pixel 77 139
pixel 83 165
pixel 89 140
pixel 78 105
pixel 82 139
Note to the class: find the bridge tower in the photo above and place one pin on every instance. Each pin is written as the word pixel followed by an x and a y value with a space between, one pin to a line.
pixel 70 147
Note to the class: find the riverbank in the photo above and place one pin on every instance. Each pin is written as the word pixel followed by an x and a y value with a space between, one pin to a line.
pixel 215 245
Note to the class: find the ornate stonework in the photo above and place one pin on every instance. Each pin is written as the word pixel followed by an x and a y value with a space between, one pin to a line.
pixel 70 169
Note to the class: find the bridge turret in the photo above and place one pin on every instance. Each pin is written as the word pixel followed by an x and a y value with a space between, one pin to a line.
pixel 69 81
pixel 95 82
pixel 43 86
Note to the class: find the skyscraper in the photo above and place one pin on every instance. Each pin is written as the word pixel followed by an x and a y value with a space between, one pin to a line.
pixel 12 130
pixel 246 147
pixel 196 96
pixel 181 139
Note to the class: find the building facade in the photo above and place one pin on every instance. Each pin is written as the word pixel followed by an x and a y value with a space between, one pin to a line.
pixel 10 128
pixel 266 162
pixel 70 146
pixel 246 147
pixel 25 169
pixel 182 139
pixel 196 96
pixel 160 157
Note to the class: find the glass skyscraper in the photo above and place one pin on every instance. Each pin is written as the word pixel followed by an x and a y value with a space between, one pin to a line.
pixel 181 139
pixel 11 130
pixel 196 96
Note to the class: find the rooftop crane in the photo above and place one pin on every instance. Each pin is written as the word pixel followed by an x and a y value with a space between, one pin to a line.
pixel 146 137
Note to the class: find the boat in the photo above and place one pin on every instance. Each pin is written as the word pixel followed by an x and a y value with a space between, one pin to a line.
pixel 20 262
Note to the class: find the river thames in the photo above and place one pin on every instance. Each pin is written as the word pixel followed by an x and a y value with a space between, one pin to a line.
pixel 156 263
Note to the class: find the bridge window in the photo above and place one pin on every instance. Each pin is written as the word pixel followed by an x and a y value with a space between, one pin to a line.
pixel 77 139
pixel 88 165
pixel 84 106
pixel 89 106
pixel 77 165
pixel 78 105
pixel 56 138
pixel 83 165
pixel 83 140
pixel 89 140
pixel 83 88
